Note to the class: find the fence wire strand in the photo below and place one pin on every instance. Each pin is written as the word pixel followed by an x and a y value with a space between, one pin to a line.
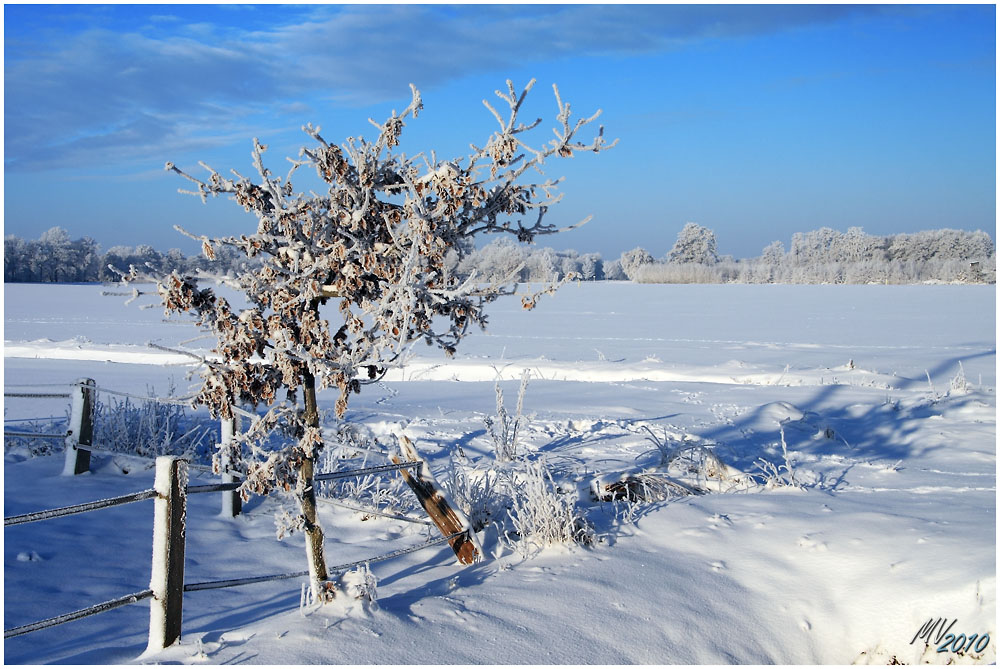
pixel 181 401
pixel 36 435
pixel 347 473
pixel 232 583
pixel 374 512
pixel 213 487
pixel 76 615
pixel 78 508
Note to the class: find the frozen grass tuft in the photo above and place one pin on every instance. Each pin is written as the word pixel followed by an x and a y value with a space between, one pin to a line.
pixel 150 429
pixel 959 384
pixel 541 515
pixel 477 494
pixel 778 476
pixel 503 428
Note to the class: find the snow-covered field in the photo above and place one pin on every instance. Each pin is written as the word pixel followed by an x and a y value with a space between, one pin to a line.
pixel 893 523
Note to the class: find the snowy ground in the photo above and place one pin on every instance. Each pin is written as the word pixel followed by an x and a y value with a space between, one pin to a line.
pixel 894 523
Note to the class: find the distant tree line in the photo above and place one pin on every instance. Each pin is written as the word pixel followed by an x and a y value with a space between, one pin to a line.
pixel 819 256
pixel 55 258
pixel 824 256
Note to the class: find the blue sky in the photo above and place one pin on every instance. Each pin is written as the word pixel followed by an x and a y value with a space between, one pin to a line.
pixel 755 121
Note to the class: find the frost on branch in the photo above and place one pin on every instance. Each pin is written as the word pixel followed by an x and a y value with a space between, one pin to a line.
pixel 347 279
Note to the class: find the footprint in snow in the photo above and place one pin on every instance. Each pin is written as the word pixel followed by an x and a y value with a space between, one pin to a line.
pixel 812 544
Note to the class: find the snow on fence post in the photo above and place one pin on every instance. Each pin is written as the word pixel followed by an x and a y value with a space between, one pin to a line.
pixel 167 580
pixel 232 505
pixel 80 435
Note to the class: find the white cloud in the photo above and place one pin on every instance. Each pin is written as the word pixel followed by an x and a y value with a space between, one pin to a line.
pixel 122 93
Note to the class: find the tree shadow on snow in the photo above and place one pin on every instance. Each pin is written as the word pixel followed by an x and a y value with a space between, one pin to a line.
pixel 833 429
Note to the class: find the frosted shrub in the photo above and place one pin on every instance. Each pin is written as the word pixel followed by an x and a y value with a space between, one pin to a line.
pixel 375 243
pixel 541 515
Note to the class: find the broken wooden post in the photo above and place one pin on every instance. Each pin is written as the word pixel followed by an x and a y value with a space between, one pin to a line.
pixel 232 504
pixel 80 435
pixel 432 497
pixel 167 580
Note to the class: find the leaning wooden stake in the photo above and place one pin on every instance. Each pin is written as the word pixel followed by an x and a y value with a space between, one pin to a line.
pixel 167 580
pixel 80 436
pixel 432 497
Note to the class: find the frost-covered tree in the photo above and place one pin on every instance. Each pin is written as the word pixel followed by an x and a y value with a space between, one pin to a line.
pixel 570 265
pixel 695 244
pixel 856 246
pixel 813 247
pixel 346 279
pixel 543 265
pixel 15 259
pixel 944 244
pixel 591 267
pixel 632 260
pixel 501 259
pixel 613 271
pixel 773 253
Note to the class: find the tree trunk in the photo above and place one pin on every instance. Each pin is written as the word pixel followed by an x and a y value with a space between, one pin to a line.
pixel 307 498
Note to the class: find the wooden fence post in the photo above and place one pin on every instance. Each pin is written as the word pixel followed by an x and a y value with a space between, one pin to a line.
pixel 80 436
pixel 232 505
pixel 167 580
pixel 449 519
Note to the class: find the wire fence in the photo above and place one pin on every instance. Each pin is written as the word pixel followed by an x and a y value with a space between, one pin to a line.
pixel 133 598
pixel 142 495
pixel 35 395
pixel 49 514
